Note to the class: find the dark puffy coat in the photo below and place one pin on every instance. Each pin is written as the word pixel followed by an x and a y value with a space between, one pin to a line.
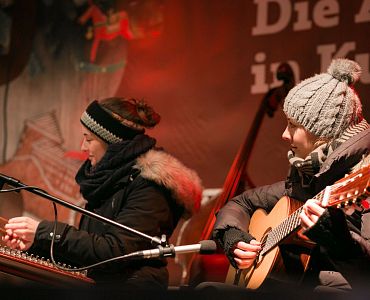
pixel 345 246
pixel 153 197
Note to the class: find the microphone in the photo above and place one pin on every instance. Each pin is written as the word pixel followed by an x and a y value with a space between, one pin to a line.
pixel 203 247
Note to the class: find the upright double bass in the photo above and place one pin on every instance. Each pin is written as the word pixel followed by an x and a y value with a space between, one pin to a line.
pixel 214 268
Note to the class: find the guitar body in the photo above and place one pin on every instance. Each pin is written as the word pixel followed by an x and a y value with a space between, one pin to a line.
pixel 272 263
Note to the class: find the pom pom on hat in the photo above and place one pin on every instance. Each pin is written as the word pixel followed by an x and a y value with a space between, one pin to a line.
pixel 345 70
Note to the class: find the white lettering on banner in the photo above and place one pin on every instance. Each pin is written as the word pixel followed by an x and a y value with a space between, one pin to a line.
pixel 262 26
pixel 303 23
pixel 260 84
pixel 325 14
pixel 259 72
pixel 273 16
pixel 364 13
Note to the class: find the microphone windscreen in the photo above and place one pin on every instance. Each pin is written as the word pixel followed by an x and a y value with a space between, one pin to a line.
pixel 207 247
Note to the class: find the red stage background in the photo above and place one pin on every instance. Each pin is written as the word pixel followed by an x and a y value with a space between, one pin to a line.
pixel 205 66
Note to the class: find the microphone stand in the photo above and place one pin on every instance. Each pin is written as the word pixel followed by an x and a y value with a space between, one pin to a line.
pixel 162 242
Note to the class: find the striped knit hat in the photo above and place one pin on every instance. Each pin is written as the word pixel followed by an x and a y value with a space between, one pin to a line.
pixel 111 130
pixel 326 104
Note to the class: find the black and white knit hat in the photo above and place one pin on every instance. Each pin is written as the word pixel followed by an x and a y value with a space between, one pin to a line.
pixel 326 104
pixel 111 130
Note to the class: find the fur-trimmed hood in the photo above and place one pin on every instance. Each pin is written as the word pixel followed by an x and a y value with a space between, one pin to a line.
pixel 164 169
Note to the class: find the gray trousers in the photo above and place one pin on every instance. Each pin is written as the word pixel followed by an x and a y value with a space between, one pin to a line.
pixel 331 281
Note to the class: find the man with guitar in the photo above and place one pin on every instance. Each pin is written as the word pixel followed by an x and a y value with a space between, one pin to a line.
pixel 329 247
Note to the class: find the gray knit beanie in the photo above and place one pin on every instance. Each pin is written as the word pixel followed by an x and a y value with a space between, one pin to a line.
pixel 326 104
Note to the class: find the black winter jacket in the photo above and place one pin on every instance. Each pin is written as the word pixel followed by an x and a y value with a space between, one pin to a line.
pixel 159 190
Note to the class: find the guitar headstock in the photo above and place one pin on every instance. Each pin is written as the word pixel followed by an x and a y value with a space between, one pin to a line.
pixel 351 189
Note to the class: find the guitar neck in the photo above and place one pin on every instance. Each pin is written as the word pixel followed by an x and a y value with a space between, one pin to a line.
pixel 284 229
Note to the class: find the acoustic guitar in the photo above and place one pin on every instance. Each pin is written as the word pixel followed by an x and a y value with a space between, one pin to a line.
pixel 281 227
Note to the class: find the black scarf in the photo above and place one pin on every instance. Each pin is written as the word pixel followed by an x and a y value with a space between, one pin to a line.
pixel 98 183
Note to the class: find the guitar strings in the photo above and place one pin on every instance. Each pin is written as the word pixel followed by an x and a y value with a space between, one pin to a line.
pixel 292 221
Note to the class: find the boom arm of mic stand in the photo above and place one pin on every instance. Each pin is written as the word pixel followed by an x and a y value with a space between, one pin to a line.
pixel 16 183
